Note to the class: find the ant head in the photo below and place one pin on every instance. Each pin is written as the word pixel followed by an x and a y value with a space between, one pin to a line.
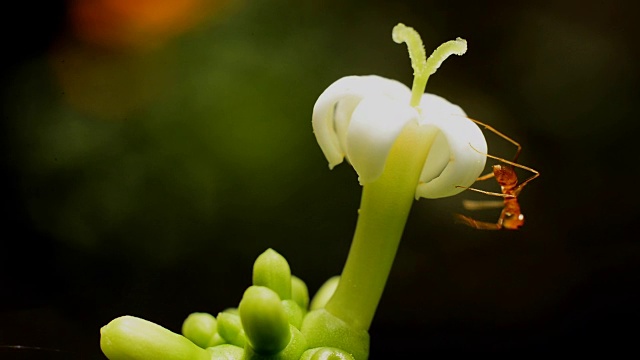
pixel 505 175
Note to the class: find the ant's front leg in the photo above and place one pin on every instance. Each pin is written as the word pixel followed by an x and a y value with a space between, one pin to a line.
pixel 522 184
pixel 486 176
pixel 506 196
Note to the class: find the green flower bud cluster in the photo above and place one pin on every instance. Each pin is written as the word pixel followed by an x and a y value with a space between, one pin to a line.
pixel 275 320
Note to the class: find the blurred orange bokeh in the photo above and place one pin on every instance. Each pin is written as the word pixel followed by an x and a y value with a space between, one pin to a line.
pixel 136 23
pixel 112 62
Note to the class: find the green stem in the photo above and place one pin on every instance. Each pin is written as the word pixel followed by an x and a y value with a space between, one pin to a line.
pixel 386 202
pixel 383 213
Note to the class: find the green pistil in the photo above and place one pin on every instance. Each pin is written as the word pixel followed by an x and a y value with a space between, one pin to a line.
pixel 423 67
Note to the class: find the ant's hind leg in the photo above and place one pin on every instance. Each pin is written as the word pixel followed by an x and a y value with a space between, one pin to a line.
pixel 482 225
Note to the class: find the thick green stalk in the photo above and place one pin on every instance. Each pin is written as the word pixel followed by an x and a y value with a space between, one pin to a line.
pixel 384 209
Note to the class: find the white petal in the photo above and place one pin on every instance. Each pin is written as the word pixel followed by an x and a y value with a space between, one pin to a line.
pixel 452 159
pixel 332 111
pixel 375 125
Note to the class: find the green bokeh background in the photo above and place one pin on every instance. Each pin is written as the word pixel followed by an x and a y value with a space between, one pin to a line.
pixel 200 155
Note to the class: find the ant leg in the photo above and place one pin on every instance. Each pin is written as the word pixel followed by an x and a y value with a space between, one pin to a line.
pixel 508 196
pixel 488 127
pixel 513 163
pixel 522 184
pixel 482 225
pixel 486 176
pixel 482 204
pixel 535 172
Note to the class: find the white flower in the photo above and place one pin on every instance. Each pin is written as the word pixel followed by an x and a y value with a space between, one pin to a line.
pixel 360 117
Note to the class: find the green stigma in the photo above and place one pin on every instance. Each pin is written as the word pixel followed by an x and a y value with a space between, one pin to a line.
pixel 423 67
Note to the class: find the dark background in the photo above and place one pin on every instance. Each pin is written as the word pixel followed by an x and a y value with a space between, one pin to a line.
pixel 149 160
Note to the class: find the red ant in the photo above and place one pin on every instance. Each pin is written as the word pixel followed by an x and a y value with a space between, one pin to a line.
pixel 511 217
